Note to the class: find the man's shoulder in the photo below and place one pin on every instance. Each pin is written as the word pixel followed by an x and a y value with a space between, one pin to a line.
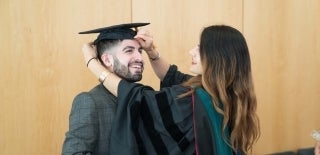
pixel 98 88
pixel 100 91
pixel 98 95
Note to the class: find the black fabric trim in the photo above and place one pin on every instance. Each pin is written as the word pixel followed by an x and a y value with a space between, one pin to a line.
pixel 134 112
pixel 156 140
pixel 183 144
pixel 167 119
pixel 174 77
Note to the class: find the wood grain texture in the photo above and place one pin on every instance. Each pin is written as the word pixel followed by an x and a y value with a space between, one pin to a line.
pixel 284 39
pixel 43 69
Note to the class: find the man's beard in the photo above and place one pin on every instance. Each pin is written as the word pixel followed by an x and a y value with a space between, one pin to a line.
pixel 124 72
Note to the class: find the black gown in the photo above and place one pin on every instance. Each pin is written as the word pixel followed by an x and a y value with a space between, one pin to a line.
pixel 151 122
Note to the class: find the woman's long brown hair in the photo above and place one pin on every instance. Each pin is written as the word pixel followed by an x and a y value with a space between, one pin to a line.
pixel 228 79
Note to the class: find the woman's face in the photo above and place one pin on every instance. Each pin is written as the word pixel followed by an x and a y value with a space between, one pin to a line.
pixel 196 66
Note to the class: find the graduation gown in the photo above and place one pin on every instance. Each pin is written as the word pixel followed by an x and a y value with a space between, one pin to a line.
pixel 157 122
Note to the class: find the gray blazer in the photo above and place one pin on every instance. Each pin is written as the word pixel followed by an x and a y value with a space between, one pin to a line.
pixel 90 121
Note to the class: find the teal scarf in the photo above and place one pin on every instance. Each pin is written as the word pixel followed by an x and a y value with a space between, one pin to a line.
pixel 216 120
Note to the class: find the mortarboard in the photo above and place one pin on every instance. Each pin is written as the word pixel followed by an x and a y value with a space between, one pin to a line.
pixel 122 31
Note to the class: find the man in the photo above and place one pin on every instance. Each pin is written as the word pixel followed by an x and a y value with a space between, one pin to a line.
pixel 92 112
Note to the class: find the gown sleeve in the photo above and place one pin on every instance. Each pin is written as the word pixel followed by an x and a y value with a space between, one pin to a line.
pixel 152 122
pixel 174 77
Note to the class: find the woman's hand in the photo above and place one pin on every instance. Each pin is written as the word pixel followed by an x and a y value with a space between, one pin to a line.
pixel 145 39
pixel 89 51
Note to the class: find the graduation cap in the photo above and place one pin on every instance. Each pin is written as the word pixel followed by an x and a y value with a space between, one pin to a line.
pixel 122 31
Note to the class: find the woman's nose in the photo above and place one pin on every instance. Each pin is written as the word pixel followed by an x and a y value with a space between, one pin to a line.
pixel 191 52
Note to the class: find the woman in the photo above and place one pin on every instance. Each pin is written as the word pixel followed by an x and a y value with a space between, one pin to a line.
pixel 211 113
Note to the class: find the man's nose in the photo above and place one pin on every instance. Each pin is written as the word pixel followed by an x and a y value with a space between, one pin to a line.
pixel 138 55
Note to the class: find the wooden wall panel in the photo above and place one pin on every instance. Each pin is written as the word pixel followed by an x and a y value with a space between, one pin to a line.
pixel 177 25
pixel 43 69
pixel 284 39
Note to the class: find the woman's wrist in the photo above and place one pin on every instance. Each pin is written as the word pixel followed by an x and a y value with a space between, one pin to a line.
pixel 153 54
pixel 103 76
pixel 155 57
pixel 93 58
pixel 96 68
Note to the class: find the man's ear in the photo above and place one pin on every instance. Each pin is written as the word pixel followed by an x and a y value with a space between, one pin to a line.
pixel 107 60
